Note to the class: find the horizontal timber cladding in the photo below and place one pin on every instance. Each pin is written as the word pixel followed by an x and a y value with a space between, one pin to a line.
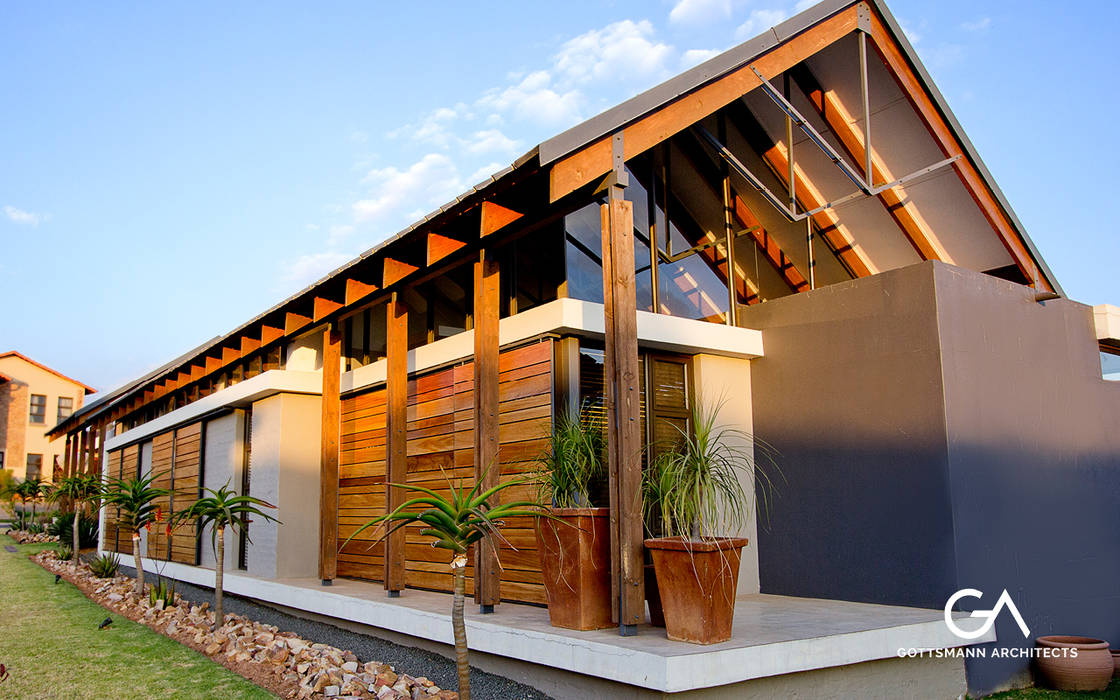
pixel 185 479
pixel 123 464
pixel 163 452
pixel 112 515
pixel 441 446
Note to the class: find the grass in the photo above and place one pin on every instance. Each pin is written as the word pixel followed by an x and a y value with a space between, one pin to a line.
pixel 1111 693
pixel 52 648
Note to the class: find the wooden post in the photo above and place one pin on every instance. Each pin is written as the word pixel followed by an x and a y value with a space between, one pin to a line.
pixel 66 457
pixel 328 460
pixel 623 416
pixel 487 592
pixel 75 466
pixel 83 452
pixel 396 436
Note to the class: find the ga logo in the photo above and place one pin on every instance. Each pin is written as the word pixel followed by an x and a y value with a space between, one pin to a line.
pixel 1003 602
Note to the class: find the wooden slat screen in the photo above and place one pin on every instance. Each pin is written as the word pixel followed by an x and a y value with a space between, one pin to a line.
pixel 440 445
pixel 130 467
pixel 163 451
pixel 112 515
pixel 185 481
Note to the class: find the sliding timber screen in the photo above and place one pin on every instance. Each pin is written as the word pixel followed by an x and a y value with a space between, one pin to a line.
pixel 123 464
pixel 440 446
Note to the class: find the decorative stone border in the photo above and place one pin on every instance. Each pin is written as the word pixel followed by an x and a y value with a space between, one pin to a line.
pixel 280 662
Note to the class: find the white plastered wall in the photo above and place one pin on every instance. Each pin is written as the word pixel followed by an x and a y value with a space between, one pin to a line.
pixel 222 456
pixel 285 472
pixel 726 382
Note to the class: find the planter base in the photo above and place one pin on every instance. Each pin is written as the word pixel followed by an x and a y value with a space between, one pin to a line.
pixel 576 565
pixel 1091 669
pixel 696 580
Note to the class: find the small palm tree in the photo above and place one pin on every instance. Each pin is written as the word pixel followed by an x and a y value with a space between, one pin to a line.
pixel 456 524
pixel 79 490
pixel 221 509
pixel 31 490
pixel 136 500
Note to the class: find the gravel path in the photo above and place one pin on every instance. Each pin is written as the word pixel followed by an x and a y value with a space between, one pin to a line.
pixel 415 662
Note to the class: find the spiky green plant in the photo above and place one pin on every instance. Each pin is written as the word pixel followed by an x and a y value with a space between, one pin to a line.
pixel 105 566
pixel 136 500
pixel 222 508
pixel 456 524
pixel 694 487
pixel 574 460
pixel 163 590
pixel 79 491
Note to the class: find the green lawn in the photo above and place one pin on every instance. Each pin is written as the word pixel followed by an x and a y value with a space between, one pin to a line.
pixel 52 648
pixel 1112 693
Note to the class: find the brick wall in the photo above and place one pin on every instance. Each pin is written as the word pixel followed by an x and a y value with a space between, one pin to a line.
pixel 14 399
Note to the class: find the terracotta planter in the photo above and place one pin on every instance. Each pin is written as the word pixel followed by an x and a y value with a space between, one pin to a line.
pixel 653 598
pixel 576 564
pixel 1091 669
pixel 1115 662
pixel 696 580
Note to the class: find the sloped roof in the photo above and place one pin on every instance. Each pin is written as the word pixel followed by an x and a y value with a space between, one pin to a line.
pixel 12 353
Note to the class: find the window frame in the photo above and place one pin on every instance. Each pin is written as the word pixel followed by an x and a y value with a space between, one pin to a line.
pixel 41 414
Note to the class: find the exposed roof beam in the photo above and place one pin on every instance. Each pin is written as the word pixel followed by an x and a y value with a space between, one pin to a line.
pixel 897 203
pixel 593 161
pixel 294 322
pixel 270 334
pixel 935 123
pixel 321 307
pixel 213 364
pixel 495 216
pixel 439 247
pixel 835 234
pixel 395 271
pixel 248 345
pixel 356 291
pixel 230 355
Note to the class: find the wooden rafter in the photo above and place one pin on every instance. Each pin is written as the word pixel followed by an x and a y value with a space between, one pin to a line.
pixel 230 355
pixel 943 135
pixel 294 322
pixel 897 203
pixel 594 160
pixel 395 270
pixel 213 364
pixel 249 345
pixel 495 216
pixel 270 334
pixel 439 247
pixel 321 307
pixel 357 290
pixel 197 372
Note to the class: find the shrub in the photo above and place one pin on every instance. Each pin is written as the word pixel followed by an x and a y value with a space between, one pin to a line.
pixel 35 528
pixel 65 551
pixel 105 566
pixel 87 529
pixel 162 590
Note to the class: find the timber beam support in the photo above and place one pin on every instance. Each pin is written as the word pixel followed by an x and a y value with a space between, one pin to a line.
pixel 487 591
pixel 328 462
pixel 396 435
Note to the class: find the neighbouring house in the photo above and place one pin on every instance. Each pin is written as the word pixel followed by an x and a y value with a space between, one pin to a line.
pixel 798 226
pixel 33 399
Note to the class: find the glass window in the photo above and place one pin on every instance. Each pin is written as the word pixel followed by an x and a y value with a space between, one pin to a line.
pixel 34 466
pixel 65 407
pixel 1110 364
pixel 38 409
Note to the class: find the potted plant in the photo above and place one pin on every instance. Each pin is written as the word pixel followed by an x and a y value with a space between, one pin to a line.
pixel 574 542
pixel 695 491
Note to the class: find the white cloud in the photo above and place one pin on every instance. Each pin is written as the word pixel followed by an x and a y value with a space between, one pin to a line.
pixel 433 180
pixel 694 57
pixel 979 25
pixel 490 141
pixel 20 216
pixel 759 21
pixel 911 34
pixel 699 11
pixel 306 269
pixel 339 233
pixel 620 52
pixel 483 173
pixel 535 101
pixel 803 5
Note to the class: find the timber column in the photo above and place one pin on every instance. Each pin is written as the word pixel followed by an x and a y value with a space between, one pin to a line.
pixel 396 435
pixel 487 591
pixel 328 460
pixel 623 413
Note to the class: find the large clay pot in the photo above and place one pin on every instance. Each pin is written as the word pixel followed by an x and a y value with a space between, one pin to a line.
pixel 1091 669
pixel 1115 662
pixel 696 580
pixel 576 563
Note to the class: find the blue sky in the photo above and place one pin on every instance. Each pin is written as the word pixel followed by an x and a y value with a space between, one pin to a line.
pixel 171 169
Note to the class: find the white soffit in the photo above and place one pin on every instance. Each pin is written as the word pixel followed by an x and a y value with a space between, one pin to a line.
pixel 1106 318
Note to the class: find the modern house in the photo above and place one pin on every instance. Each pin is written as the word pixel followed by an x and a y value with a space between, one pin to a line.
pixel 798 230
pixel 33 398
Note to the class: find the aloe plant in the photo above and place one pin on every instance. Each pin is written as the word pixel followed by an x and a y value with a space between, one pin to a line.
pixel 222 508
pixel 78 490
pixel 136 500
pixel 455 524
pixel 694 485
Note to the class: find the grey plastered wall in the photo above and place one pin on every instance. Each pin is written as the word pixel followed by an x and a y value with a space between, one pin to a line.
pixel 1034 453
pixel 849 392
pixel 222 459
pixel 285 472
pixel 939 430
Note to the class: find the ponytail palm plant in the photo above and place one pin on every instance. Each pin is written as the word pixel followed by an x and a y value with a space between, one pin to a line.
pixel 78 490
pixel 220 509
pixel 136 500
pixel 455 524
pixel 574 460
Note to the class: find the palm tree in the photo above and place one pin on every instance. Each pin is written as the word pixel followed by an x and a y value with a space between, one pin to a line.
pixel 136 500
pixel 32 490
pixel 456 524
pixel 221 509
pixel 79 490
